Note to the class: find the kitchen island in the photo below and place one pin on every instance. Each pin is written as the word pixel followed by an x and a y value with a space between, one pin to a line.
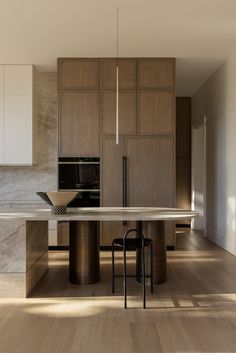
pixel 24 242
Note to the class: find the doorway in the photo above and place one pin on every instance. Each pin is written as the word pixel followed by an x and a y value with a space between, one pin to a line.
pixel 199 175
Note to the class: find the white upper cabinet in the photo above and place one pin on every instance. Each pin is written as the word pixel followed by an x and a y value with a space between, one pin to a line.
pixel 18 129
pixel 18 79
pixel 1 129
pixel 17 118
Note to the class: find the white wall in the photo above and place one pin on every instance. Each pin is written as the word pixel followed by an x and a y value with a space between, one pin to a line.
pixel 217 100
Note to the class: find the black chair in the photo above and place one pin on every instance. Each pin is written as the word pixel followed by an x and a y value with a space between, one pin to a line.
pixel 132 244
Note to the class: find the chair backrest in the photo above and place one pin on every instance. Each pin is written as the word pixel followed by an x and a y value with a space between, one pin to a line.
pixel 137 231
pixel 134 230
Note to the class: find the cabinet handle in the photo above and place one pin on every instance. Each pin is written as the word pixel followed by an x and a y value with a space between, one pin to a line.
pixel 124 181
pixel 124 184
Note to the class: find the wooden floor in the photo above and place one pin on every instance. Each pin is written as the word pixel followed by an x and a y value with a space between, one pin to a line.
pixel 195 311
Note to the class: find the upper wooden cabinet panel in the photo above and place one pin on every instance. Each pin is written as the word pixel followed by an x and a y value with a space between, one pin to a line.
pixel 127 112
pixel 127 73
pixel 79 123
pixel 156 112
pixel 78 73
pixel 156 73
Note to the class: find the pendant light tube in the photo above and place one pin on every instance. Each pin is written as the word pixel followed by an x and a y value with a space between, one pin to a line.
pixel 117 77
pixel 117 105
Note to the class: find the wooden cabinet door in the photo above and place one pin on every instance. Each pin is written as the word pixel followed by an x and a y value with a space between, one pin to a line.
pixel 63 233
pixel 127 112
pixel 151 177
pixel 127 73
pixel 77 73
pixel 79 123
pixel 156 112
pixel 156 73
pixel 111 185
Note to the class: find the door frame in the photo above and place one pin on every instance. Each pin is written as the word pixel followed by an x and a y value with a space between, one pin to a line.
pixel 196 126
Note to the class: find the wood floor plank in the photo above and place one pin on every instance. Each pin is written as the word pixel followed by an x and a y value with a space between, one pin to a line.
pixel 145 338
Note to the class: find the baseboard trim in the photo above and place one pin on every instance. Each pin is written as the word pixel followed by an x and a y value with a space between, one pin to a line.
pixel 58 247
pixel 170 247
pixel 179 225
pixel 102 248
pixel 108 248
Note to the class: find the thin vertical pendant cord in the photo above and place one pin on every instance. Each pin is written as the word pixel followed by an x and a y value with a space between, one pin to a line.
pixel 117 77
pixel 117 105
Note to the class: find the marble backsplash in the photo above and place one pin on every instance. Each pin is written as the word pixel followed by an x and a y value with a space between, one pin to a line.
pixel 18 185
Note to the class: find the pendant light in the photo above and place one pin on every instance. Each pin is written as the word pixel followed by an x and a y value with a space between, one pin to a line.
pixel 117 75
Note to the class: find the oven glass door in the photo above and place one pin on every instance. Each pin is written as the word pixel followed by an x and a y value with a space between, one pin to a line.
pixel 79 176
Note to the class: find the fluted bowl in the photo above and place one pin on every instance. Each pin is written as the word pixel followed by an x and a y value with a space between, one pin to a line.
pixel 58 200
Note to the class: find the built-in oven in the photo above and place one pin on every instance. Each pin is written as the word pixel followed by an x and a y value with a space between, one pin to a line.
pixel 82 174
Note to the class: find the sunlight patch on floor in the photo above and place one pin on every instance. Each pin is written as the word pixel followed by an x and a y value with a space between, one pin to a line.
pixel 99 306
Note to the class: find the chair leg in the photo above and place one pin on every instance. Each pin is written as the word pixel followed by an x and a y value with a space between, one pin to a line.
pixel 144 278
pixel 113 269
pixel 151 269
pixel 125 280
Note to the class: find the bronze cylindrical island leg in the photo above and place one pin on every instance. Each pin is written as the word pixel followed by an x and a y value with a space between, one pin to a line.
pixel 154 230
pixel 84 264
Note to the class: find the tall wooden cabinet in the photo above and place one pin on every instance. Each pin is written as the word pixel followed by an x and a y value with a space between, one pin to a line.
pixel 147 129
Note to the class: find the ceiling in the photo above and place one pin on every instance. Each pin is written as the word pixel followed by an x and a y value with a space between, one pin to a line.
pixel 199 33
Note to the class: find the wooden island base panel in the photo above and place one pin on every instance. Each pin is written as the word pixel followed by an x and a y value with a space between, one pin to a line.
pixel 27 261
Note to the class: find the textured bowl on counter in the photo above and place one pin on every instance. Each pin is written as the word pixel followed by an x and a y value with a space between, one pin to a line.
pixel 58 200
